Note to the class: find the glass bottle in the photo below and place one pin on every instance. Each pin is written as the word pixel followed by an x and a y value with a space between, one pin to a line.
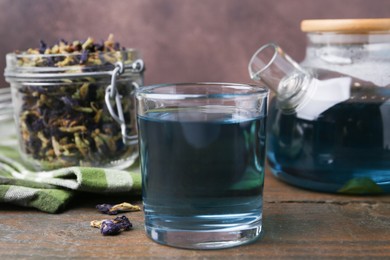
pixel 337 136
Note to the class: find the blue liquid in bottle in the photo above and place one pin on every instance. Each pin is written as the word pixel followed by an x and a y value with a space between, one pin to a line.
pixel 345 149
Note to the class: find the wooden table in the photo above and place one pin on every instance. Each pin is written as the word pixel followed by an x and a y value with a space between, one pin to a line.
pixel 297 223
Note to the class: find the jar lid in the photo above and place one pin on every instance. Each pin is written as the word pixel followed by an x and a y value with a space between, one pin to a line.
pixel 346 25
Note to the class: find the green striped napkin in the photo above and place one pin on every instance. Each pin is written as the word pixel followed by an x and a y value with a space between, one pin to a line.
pixel 50 191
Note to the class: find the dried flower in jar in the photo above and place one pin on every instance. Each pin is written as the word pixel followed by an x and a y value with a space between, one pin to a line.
pixel 65 122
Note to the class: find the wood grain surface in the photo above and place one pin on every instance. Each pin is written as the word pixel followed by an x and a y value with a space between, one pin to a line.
pixel 183 41
pixel 297 224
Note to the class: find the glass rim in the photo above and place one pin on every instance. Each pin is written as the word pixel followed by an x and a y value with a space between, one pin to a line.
pixel 146 91
pixel 276 49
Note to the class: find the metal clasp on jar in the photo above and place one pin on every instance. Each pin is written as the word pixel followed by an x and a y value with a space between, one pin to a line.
pixel 112 94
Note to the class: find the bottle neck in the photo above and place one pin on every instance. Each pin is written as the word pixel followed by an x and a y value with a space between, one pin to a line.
pixel 295 90
pixel 290 82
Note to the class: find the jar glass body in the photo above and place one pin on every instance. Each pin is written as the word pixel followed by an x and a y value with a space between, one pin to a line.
pixel 345 145
pixel 62 118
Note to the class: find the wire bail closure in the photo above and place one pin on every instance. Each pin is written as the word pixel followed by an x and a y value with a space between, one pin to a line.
pixel 112 94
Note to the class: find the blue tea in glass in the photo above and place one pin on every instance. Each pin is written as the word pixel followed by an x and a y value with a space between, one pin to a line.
pixel 202 150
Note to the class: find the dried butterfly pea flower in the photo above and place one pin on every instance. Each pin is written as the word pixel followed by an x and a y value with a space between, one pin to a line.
pixel 42 47
pixel 74 116
pixel 123 222
pixel 125 207
pixel 105 208
pixel 84 57
pixel 112 226
pixel 115 209
pixel 109 228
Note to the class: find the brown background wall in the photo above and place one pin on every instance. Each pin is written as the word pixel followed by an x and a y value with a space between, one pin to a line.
pixel 181 40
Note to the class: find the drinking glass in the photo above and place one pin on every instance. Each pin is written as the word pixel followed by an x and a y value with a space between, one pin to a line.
pixel 202 151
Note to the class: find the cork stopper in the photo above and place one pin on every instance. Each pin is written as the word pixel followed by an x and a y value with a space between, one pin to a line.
pixel 346 25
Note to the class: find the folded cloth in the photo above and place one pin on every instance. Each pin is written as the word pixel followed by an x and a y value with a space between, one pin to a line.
pixel 50 191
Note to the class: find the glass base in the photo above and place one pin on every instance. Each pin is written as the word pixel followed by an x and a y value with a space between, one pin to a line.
pixel 205 239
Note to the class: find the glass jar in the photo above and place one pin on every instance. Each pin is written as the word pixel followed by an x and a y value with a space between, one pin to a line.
pixel 342 143
pixel 76 115
pixel 7 125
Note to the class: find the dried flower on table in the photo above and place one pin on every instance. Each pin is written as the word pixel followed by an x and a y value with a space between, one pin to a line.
pixel 105 209
pixel 123 222
pixel 115 209
pixel 109 227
